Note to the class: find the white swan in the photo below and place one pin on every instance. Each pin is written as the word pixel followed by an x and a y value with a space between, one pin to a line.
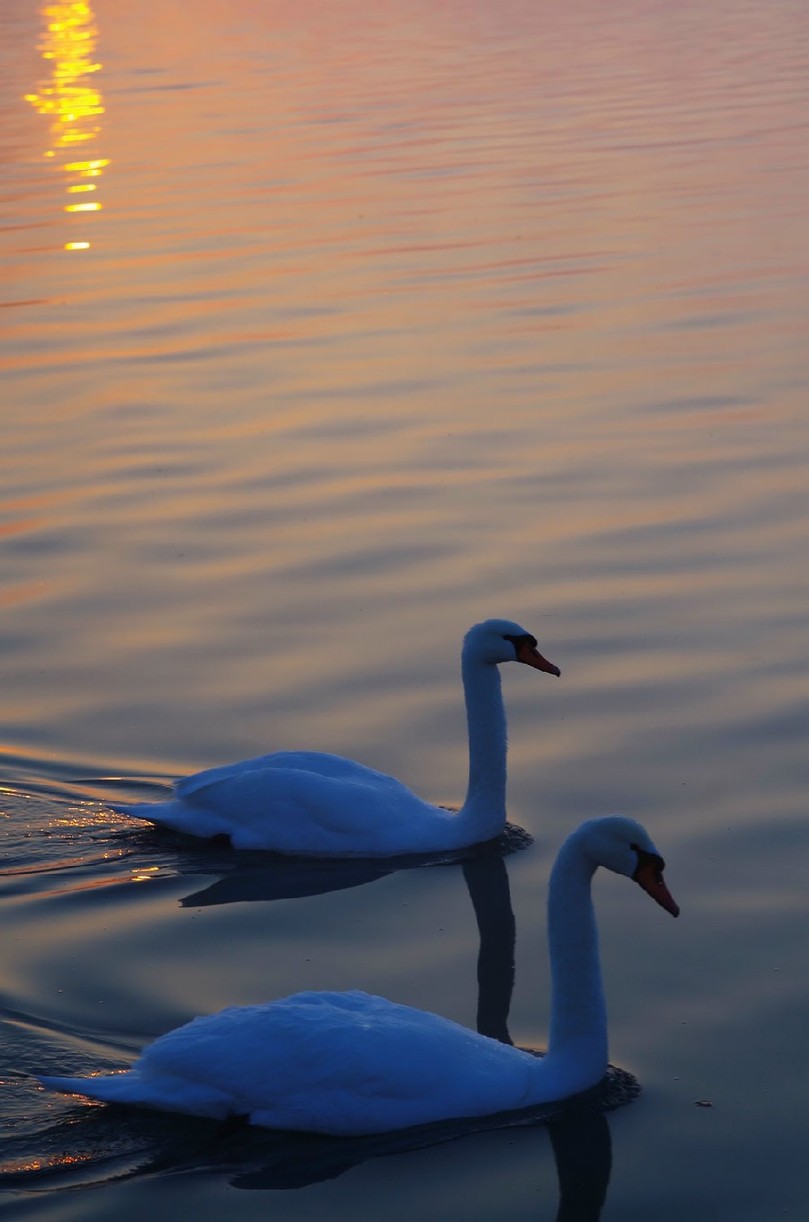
pixel 351 1064
pixel 310 802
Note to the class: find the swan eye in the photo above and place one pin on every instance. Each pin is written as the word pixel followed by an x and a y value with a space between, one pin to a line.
pixel 647 859
pixel 521 640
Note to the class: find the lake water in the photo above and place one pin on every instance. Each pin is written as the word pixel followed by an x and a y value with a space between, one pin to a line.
pixel 330 330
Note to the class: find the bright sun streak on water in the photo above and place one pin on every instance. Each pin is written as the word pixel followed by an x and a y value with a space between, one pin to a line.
pixel 70 100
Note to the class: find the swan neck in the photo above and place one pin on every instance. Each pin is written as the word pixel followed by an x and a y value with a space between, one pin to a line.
pixel 485 804
pixel 578 1035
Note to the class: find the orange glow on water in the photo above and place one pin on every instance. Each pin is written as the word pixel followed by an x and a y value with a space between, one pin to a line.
pixel 70 98
pixel 53 1162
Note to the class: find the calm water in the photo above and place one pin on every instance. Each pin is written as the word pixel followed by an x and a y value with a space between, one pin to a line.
pixel 328 331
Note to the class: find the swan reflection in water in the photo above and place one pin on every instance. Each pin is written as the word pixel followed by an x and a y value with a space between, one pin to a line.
pixel 246 877
pixel 582 1150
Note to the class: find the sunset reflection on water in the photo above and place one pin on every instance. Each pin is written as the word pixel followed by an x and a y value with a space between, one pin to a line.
pixel 71 99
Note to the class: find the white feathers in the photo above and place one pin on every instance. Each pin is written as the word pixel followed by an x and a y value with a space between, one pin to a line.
pixel 316 804
pixel 350 1063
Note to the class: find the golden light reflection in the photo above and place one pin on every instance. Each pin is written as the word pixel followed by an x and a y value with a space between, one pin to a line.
pixel 52 1163
pixel 70 98
pixel 144 874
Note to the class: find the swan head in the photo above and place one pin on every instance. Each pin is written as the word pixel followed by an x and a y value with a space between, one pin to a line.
pixel 624 846
pixel 501 640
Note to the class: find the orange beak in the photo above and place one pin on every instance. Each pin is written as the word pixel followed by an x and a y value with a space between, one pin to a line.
pixel 530 655
pixel 649 875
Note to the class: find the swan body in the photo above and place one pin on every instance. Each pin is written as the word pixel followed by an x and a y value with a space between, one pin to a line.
pixel 351 1064
pixel 313 803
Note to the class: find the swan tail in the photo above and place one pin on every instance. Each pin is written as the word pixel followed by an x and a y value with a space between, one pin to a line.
pixel 107 1088
pixel 193 821
pixel 164 1092
pixel 139 810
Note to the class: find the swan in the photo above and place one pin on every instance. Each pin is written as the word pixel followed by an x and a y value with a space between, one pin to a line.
pixel 351 1064
pixel 314 803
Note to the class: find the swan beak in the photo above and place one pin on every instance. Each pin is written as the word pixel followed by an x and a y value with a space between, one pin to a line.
pixel 649 875
pixel 530 655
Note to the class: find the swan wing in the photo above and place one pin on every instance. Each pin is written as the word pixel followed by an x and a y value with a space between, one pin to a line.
pixel 316 763
pixel 345 1063
pixel 306 802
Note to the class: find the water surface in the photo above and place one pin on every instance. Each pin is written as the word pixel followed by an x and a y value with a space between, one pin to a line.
pixel 376 322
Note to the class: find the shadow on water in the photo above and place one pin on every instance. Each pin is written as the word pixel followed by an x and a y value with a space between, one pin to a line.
pixel 104 1144
pixel 98 1144
pixel 259 875
pixel 582 1150
pixel 111 1144
pixel 487 883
